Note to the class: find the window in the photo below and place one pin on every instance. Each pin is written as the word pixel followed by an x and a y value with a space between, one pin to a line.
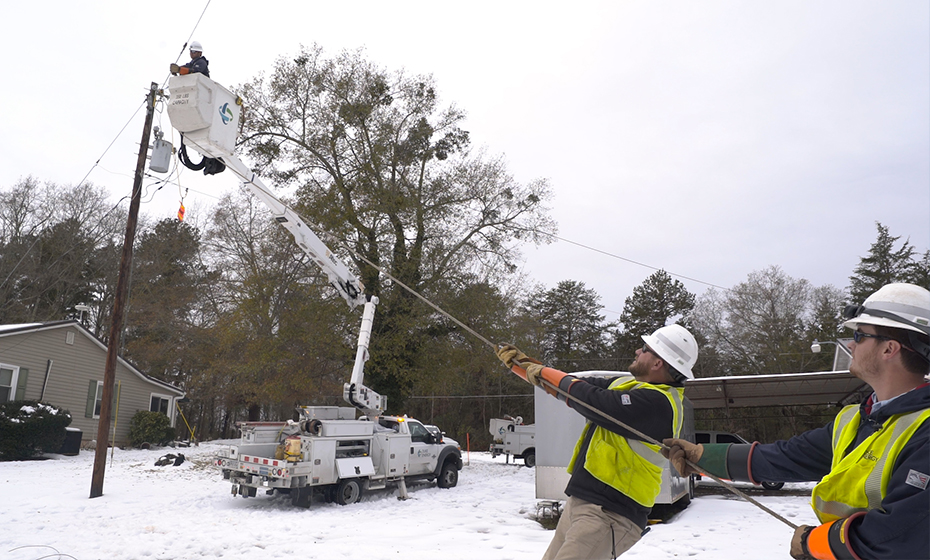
pixel 98 399
pixel 702 437
pixel 160 404
pixel 8 375
pixel 417 432
pixel 729 438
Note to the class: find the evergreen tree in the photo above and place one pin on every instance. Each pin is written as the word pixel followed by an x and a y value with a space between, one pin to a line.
pixel 919 271
pixel 883 265
pixel 658 301
pixel 573 329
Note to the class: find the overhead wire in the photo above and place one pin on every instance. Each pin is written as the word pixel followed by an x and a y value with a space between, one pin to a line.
pixel 631 261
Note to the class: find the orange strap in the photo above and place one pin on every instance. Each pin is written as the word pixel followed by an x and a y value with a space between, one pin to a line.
pixel 551 375
pixel 818 542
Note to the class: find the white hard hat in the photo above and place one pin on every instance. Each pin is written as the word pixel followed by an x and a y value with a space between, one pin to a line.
pixel 675 345
pixel 196 46
pixel 900 306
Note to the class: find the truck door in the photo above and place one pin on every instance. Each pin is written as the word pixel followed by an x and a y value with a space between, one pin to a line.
pixel 422 452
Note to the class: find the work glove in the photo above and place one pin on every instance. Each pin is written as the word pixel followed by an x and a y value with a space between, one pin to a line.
pixel 799 549
pixel 534 374
pixel 513 356
pixel 678 451
pixel 175 68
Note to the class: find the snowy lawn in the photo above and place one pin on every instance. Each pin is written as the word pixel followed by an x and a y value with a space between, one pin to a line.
pixel 187 511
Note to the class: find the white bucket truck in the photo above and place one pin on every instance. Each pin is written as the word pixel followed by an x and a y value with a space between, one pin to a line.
pixel 327 450
pixel 513 437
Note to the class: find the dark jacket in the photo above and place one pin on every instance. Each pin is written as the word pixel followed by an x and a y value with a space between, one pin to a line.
pixel 899 529
pixel 645 410
pixel 199 66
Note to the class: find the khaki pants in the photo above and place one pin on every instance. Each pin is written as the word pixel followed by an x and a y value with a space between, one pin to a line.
pixel 589 532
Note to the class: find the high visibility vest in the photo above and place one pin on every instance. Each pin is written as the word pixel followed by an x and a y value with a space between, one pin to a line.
pixel 858 481
pixel 629 466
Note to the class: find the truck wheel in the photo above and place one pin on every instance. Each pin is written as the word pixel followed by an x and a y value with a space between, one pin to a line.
pixel 348 491
pixel 448 476
pixel 773 485
pixel 529 458
pixel 301 497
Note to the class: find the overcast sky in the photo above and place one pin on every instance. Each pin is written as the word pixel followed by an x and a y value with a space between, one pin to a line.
pixel 709 138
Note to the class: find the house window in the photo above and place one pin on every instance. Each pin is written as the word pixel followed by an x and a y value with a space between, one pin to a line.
pixel 98 399
pixel 159 404
pixel 8 375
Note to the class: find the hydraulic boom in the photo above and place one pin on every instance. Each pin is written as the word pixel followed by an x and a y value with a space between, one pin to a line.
pixel 207 115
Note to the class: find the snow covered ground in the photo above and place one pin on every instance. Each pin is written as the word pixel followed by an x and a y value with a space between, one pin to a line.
pixel 187 511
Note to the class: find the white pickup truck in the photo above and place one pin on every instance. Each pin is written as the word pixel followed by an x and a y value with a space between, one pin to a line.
pixel 330 453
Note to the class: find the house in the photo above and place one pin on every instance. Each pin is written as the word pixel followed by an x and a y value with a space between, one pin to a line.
pixel 63 364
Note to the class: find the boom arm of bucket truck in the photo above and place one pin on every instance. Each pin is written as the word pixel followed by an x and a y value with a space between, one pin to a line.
pixel 208 115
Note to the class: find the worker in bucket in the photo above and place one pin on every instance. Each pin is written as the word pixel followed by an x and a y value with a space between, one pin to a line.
pixel 198 64
pixel 873 461
pixel 615 477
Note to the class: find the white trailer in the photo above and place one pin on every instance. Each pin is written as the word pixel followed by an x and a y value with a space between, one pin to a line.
pixel 513 437
pixel 558 428
pixel 327 450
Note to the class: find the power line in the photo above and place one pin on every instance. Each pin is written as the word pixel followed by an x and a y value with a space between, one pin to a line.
pixel 629 260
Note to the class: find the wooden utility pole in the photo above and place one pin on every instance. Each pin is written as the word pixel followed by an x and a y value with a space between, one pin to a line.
pixel 122 289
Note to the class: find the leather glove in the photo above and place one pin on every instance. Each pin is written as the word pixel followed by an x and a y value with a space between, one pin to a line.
pixel 679 450
pixel 175 68
pixel 510 355
pixel 534 374
pixel 799 543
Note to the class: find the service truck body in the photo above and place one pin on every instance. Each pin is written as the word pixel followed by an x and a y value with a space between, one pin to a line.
pixel 513 437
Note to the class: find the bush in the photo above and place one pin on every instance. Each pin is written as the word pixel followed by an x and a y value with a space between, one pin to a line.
pixel 30 428
pixel 150 427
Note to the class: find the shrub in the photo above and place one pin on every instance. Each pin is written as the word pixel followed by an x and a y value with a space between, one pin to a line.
pixel 30 428
pixel 150 427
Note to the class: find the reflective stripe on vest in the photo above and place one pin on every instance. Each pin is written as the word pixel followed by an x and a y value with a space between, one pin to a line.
pixel 858 481
pixel 630 466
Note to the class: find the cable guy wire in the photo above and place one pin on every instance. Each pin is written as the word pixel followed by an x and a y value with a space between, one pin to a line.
pixel 628 260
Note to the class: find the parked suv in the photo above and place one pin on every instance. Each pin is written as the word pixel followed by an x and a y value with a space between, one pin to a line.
pixel 727 437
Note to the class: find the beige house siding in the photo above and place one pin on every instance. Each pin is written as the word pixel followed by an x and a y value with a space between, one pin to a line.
pixel 77 360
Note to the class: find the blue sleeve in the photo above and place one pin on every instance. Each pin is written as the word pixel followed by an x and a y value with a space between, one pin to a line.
pixel 197 66
pixel 803 458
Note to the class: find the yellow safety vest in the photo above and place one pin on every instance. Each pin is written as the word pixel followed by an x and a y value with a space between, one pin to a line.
pixel 629 466
pixel 858 481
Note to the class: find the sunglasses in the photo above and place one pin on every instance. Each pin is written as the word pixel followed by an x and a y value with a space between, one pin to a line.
pixel 646 348
pixel 859 336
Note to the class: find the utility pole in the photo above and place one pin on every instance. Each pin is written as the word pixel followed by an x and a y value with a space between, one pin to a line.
pixel 122 289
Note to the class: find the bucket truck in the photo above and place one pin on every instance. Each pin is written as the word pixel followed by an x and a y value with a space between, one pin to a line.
pixel 513 437
pixel 327 450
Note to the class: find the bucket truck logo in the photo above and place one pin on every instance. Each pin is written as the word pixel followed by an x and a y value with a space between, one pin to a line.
pixel 226 113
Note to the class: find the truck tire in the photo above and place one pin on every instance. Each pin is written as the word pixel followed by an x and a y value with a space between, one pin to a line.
pixel 529 458
pixel 448 476
pixel 773 485
pixel 301 497
pixel 348 491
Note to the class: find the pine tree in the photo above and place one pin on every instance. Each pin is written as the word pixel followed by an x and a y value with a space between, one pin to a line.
pixel 574 331
pixel 919 272
pixel 883 265
pixel 655 303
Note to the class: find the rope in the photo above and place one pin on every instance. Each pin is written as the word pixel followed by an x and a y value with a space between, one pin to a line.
pixel 603 414
pixel 653 441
